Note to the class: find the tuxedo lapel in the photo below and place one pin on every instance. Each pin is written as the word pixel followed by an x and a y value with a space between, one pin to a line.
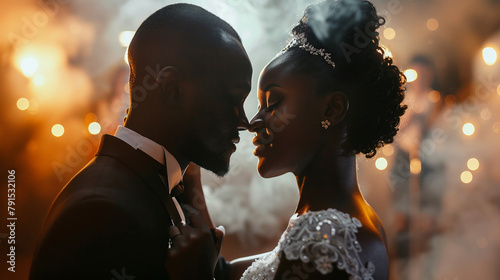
pixel 148 169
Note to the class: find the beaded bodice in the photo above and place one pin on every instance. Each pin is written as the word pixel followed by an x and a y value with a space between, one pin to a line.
pixel 324 240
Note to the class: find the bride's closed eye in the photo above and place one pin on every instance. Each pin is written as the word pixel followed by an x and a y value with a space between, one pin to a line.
pixel 272 100
pixel 272 107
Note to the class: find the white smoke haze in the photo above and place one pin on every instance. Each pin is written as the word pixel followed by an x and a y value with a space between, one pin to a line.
pixel 77 48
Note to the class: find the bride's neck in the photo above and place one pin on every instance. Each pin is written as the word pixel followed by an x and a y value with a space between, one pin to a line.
pixel 330 181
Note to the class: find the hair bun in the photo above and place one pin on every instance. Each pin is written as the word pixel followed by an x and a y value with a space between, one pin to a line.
pixel 332 20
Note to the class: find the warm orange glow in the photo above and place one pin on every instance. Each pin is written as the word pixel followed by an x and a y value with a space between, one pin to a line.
pixel 34 107
pixel 466 177
pixel 39 80
pixel 434 96
pixel 411 75
pixel 75 28
pixel 388 150
pixel 90 117
pixel 489 56
pixel 389 33
pixel 468 129
pixel 432 24
pixel 23 104
pixel 387 52
pixel 415 166
pixel 57 130
pixel 450 100
pixel 498 89
pixel 473 164
pixel 381 163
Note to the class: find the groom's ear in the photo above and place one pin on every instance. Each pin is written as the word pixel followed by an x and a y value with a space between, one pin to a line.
pixel 168 81
pixel 337 105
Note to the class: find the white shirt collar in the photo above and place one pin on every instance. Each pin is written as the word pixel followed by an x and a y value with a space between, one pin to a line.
pixel 154 150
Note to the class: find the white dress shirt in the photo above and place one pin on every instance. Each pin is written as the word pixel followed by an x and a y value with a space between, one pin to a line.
pixel 157 152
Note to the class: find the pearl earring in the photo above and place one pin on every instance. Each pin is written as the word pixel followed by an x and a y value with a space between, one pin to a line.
pixel 325 124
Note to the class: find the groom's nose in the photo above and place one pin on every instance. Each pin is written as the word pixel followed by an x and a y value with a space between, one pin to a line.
pixel 243 124
pixel 242 120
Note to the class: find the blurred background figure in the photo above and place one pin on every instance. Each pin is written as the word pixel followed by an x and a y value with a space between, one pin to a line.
pixel 418 175
pixel 64 81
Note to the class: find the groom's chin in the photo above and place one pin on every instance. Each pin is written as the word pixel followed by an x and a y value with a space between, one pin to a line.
pixel 218 165
pixel 219 170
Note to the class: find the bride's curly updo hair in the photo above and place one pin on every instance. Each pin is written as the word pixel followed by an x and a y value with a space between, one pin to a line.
pixel 347 29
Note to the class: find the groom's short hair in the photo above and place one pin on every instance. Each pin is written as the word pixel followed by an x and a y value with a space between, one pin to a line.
pixel 178 33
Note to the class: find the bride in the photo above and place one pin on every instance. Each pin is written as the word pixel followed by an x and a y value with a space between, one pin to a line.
pixel 329 95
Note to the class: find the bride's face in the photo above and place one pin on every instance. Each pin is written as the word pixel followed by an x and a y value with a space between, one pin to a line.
pixel 288 123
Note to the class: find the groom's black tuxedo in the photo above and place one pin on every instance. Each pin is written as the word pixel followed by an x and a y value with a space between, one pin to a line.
pixel 109 221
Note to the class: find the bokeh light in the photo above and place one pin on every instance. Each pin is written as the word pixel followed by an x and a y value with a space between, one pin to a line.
pixel 434 96
pixel 387 52
pixel 411 75
pixel 28 65
pixel 94 128
pixel 496 127
pixel 34 107
pixel 473 164
pixel 23 104
pixel 498 89
pixel 489 55
pixel 57 130
pixel 388 150
pixel 432 24
pixel 381 163
pixel 485 114
pixel 466 177
pixel 468 129
pixel 90 117
pixel 39 80
pixel 125 37
pixel 415 166
pixel 389 33
pixel 450 100
pixel 125 57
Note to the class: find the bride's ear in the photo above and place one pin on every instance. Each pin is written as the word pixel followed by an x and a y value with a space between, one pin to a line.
pixel 337 105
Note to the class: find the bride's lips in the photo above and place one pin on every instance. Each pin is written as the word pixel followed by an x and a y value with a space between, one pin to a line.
pixel 260 146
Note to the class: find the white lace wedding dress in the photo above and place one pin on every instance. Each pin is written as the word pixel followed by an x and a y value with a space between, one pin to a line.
pixel 321 239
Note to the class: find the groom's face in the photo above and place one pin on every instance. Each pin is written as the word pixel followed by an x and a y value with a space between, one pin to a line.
pixel 217 101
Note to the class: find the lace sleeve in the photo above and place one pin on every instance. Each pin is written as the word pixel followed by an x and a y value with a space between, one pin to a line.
pixel 327 238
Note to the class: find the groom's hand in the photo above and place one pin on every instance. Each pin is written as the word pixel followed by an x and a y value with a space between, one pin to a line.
pixel 194 252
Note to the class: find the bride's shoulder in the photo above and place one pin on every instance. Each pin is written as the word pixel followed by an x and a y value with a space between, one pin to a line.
pixel 328 240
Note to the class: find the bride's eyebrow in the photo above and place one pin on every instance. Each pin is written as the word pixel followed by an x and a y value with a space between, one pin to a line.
pixel 269 86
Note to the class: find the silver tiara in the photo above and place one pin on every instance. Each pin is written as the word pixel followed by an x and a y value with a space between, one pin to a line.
pixel 300 40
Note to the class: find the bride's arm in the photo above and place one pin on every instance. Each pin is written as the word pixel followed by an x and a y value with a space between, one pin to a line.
pixel 238 266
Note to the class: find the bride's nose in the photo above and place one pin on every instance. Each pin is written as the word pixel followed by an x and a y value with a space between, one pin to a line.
pixel 257 122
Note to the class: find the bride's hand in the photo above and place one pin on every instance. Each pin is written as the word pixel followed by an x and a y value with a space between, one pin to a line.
pixel 194 252
pixel 193 172
pixel 193 193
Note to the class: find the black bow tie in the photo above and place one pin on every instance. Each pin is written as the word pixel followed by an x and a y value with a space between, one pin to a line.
pixel 177 190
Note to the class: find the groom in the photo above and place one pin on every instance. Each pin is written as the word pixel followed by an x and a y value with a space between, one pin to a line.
pixel 118 218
